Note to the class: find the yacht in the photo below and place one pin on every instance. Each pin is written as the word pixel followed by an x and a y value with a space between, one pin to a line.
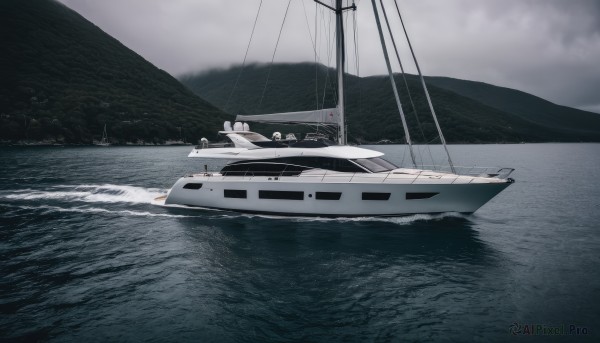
pixel 320 177
pixel 104 141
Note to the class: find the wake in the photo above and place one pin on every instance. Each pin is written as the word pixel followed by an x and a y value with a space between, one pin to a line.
pixel 106 193
pixel 400 220
pixel 127 194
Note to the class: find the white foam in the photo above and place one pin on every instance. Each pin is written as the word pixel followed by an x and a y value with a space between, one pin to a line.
pixel 106 193
pixel 85 209
pixel 403 220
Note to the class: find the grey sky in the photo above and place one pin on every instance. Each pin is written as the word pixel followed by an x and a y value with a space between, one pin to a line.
pixel 550 48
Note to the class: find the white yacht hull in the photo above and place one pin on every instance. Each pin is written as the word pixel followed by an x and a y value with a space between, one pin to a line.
pixel 406 194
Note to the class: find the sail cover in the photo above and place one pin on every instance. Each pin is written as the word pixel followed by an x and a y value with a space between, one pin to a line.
pixel 327 116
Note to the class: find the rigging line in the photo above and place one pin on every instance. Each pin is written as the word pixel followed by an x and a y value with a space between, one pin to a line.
pixel 329 49
pixel 322 32
pixel 404 78
pixel 309 32
pixel 316 64
pixel 245 56
pixel 274 52
pixel 434 164
pixel 314 45
pixel 437 125
pixel 393 82
pixel 403 156
pixel 328 85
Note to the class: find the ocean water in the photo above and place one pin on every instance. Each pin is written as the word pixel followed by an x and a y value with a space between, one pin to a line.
pixel 87 257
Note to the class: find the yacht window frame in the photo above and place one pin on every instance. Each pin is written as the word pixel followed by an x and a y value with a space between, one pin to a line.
pixel 375 164
pixel 235 193
pixel 194 186
pixel 280 195
pixel 328 195
pixel 307 162
pixel 377 196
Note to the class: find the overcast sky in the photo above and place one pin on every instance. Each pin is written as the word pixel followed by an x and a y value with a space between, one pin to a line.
pixel 550 48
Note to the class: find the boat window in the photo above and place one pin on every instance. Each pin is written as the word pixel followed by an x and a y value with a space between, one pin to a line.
pixel 375 196
pixel 376 164
pixel 281 195
pixel 328 195
pixel 265 169
pixel 261 169
pixel 235 193
pixel 292 170
pixel 423 195
pixel 335 164
pixel 235 170
pixel 192 186
pixel 292 165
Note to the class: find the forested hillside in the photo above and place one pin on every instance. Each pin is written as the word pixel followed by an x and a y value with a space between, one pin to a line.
pixel 527 106
pixel 62 79
pixel 371 108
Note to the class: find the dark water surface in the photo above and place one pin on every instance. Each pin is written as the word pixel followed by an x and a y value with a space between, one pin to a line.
pixel 86 257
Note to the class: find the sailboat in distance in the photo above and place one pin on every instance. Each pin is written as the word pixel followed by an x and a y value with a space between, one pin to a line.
pixel 104 141
pixel 321 177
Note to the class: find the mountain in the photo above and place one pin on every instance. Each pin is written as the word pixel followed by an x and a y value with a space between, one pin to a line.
pixel 62 79
pixel 526 106
pixel 468 112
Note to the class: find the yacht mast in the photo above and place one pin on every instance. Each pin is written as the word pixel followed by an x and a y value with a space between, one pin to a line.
pixel 340 61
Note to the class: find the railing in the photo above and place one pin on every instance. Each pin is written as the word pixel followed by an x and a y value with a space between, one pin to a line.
pixel 434 172
pixel 501 173
pixel 207 145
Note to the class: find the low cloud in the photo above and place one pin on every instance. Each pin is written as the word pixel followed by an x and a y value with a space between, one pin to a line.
pixel 549 48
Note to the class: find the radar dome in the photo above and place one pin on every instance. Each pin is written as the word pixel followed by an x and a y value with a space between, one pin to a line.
pixel 238 126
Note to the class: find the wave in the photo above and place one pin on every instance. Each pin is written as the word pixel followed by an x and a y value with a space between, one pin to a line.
pixel 109 193
pixel 397 220
pixel 106 193
pixel 402 220
pixel 85 209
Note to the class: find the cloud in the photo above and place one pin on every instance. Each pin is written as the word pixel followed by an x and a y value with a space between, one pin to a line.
pixel 549 48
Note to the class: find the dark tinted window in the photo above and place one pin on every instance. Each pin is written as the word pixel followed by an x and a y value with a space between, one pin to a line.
pixel 192 186
pixel 335 164
pixel 281 195
pixel 300 162
pixel 328 195
pixel 261 169
pixel 376 164
pixel 375 196
pixel 235 169
pixel 234 193
pixel 423 195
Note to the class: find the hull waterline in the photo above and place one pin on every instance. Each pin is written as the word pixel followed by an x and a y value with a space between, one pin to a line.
pixel 297 197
